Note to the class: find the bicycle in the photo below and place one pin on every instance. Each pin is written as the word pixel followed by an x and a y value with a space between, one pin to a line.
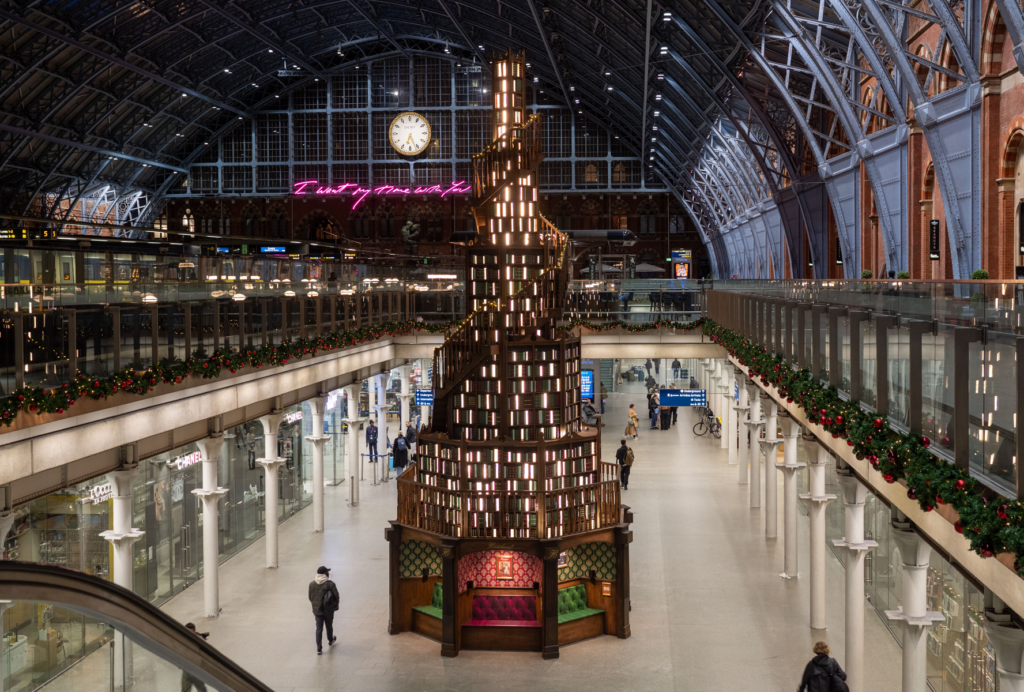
pixel 707 423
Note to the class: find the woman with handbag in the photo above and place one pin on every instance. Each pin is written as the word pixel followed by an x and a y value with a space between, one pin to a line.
pixel 631 423
pixel 823 673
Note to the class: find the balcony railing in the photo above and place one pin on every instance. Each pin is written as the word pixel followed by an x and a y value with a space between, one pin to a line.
pixel 940 359
pixel 635 301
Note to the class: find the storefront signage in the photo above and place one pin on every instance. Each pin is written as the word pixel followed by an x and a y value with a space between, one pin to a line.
pixel 332 401
pixel 99 493
pixel 275 249
pixel 313 187
pixel 684 397
pixel 424 397
pixel 293 417
pixel 185 460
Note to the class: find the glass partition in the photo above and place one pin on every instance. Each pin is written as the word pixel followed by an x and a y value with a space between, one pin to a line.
pixel 937 363
pixel 844 353
pixel 898 354
pixel 868 363
pixel 993 403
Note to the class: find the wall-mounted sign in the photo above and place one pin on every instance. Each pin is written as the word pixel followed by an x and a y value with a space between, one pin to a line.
pixel 357 191
pixel 13 234
pixel 293 417
pixel 99 493
pixel 185 460
pixel 272 249
pixel 586 384
pixel 424 397
pixel 933 239
pixel 684 397
pixel 839 254
pixel 606 588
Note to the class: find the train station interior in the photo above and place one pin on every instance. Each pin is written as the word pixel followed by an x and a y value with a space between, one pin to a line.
pixel 393 345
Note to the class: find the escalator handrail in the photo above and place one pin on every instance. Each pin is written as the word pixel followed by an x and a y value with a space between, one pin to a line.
pixel 144 623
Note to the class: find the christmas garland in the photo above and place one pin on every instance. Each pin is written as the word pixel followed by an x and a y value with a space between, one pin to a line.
pixel 991 527
pixel 635 328
pixel 174 372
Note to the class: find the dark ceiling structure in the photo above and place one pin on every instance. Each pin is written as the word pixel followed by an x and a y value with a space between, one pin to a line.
pixel 750 111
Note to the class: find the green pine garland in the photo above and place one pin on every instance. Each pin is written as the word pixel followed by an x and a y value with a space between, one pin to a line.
pixel 40 400
pixel 991 527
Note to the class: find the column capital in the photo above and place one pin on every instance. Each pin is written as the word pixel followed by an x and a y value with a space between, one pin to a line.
pixel 914 551
pixel 209 447
pixel 119 539
pixel 271 464
pixel 1008 641
pixel 926 620
pixel 271 422
pixel 210 496
pixel 122 480
pixel 854 492
pixel 317 405
pixel 822 500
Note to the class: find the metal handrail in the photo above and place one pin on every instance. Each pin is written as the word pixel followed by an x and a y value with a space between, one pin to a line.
pixel 130 614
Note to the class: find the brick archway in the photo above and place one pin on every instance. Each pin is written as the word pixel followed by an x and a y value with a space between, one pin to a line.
pixel 993 40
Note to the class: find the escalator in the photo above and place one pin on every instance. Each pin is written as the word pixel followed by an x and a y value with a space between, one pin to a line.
pixel 70 632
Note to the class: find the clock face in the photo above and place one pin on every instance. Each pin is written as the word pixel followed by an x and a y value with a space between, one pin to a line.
pixel 409 133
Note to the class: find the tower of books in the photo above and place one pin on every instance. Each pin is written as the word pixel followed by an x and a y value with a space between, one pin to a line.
pixel 506 461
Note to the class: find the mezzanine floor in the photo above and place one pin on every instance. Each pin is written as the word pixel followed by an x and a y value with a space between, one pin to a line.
pixel 710 611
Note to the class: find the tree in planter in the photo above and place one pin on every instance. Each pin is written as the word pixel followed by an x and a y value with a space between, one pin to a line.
pixel 866 274
pixel 903 275
pixel 979 275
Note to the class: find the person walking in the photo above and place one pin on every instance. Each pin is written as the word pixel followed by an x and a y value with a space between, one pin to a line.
pixel 410 439
pixel 371 440
pixel 401 451
pixel 675 368
pixel 624 455
pixel 657 366
pixel 188 681
pixel 648 365
pixel 823 672
pixel 604 396
pixel 631 422
pixel 323 596
pixel 655 403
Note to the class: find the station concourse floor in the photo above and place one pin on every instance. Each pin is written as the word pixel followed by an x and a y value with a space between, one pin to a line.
pixel 709 609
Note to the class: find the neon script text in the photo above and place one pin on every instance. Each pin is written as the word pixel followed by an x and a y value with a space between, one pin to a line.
pixel 313 187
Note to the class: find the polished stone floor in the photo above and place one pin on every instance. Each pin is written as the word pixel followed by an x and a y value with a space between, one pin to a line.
pixel 710 611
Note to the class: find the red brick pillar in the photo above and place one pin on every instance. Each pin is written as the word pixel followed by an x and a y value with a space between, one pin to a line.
pixel 1004 245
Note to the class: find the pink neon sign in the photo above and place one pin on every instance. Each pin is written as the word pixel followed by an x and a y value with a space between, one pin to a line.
pixel 313 187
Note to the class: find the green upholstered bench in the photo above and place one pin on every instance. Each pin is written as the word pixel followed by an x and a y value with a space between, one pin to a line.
pixel 434 609
pixel 572 604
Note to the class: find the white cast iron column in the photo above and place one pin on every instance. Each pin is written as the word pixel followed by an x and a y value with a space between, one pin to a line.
pixel 380 383
pixel 352 465
pixel 754 425
pixel 210 494
pixel 770 445
pixel 914 612
pixel 317 406
pixel 1008 641
pixel 729 429
pixel 854 494
pixel 743 416
pixel 122 536
pixel 271 463
pixel 789 468
pixel 817 499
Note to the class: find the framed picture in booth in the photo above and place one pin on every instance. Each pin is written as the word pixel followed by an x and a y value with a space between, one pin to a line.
pixel 563 559
pixel 503 568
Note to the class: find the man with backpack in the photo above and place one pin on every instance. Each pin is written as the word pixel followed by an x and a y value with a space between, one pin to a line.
pixel 323 596
pixel 624 455
pixel 823 673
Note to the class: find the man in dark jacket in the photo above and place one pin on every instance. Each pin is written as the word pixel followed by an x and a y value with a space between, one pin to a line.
pixel 410 439
pixel 323 596
pixel 621 455
pixel 371 439
pixel 675 368
pixel 819 671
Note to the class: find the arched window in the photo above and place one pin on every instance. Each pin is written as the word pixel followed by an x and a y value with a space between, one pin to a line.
pixel 620 216
pixel 648 218
pixel 591 215
pixel 563 215
pixel 251 221
pixel 591 174
pixel 277 222
pixel 618 173
pixel 385 221
pixel 188 222
pixel 360 222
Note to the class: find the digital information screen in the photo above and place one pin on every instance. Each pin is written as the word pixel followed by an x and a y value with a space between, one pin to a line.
pixel 586 384
pixel 684 397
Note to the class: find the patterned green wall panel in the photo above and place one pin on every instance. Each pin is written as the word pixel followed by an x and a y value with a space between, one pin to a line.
pixel 586 557
pixel 415 555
